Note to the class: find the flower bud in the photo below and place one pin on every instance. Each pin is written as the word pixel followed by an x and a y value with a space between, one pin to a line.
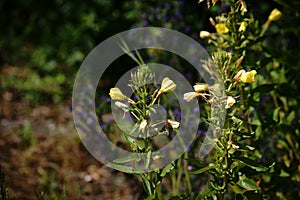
pixel 274 15
pixel 167 85
pixel 204 34
pixel 200 87
pixel 116 94
pixel 230 102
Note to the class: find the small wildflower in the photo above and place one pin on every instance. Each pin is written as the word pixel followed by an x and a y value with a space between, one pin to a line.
pixel 116 94
pixel 204 34
pixel 274 15
pixel 174 124
pixel 230 102
pixel 189 96
pixel 235 146
pixel 248 77
pixel 143 125
pixel 200 87
pixel 243 8
pixel 243 27
pixel 237 77
pixel 221 28
pixel 167 85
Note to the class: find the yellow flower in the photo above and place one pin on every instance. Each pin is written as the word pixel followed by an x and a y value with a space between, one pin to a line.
pixel 116 94
pixel 204 34
pixel 189 96
pixel 221 28
pixel 275 15
pixel 243 27
pixel 243 8
pixel 200 87
pixel 230 102
pixel 167 85
pixel 248 77
pixel 238 75
pixel 174 124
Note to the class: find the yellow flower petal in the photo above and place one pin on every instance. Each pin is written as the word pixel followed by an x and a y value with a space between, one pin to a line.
pixel 248 77
pixel 243 27
pixel 238 75
pixel 230 102
pixel 243 8
pixel 274 15
pixel 221 28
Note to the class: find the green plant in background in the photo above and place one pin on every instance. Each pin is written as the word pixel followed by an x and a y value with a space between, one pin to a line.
pixel 26 136
pixel 3 189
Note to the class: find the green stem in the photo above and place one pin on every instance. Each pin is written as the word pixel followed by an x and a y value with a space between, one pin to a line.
pixel 187 173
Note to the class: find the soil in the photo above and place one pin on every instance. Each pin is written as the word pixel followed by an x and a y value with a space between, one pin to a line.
pixel 41 155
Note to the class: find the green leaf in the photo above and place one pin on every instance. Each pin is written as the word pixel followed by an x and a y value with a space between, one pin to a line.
pixel 247 183
pixel 123 168
pixel 134 142
pixel 199 171
pixel 205 193
pixel 127 158
pixel 276 115
pixel 264 88
pixel 167 169
pixel 150 197
pixel 253 165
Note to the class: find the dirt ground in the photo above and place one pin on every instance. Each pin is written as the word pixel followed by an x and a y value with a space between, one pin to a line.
pixel 40 153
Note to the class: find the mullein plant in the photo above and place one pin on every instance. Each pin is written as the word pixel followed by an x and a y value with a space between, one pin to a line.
pixel 233 168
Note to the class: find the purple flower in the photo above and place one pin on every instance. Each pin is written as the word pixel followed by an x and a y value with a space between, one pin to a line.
pixel 201 132
pixel 187 28
pixel 177 113
pixel 69 107
pixel 167 6
pixel 180 2
pixel 145 23
pixel 144 16
pixel 102 125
